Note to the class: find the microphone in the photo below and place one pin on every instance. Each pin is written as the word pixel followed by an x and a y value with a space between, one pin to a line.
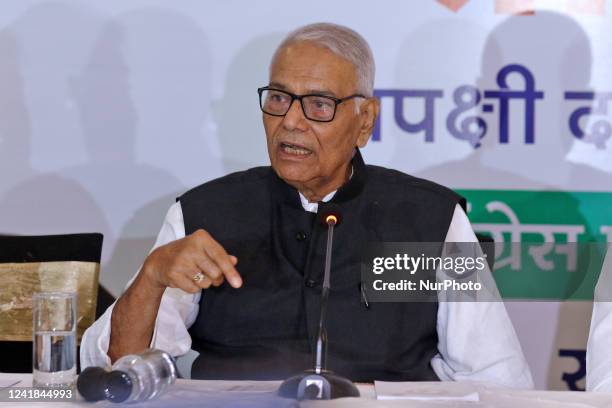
pixel 319 383
pixel 330 217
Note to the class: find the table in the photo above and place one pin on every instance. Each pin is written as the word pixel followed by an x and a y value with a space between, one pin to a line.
pixel 254 394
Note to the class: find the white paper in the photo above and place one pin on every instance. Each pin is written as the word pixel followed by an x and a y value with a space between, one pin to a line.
pixel 425 391
pixel 8 382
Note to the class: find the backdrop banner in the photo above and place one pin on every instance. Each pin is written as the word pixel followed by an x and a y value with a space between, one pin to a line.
pixel 110 109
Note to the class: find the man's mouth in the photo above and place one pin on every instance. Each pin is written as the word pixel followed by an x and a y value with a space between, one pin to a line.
pixel 294 149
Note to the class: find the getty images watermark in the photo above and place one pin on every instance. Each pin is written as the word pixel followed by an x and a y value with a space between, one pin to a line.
pixel 413 264
pixel 468 271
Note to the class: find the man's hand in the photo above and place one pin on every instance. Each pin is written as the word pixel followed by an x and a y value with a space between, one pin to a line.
pixel 176 264
pixel 172 265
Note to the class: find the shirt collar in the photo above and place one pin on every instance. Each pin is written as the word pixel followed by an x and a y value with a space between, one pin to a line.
pixel 314 207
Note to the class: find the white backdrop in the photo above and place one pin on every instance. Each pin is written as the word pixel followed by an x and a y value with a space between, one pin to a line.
pixel 110 109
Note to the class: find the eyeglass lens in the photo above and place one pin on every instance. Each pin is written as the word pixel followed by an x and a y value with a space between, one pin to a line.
pixel 315 107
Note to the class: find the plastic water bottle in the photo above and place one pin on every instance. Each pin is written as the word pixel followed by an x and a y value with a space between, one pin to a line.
pixel 134 378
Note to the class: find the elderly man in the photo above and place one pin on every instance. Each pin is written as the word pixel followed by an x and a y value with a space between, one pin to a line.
pixel 237 268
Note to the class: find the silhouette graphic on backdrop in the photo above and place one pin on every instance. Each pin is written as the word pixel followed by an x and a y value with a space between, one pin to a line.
pixel 33 201
pixel 172 102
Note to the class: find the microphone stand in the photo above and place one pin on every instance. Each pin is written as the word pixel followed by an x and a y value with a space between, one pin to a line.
pixel 320 383
pixel 321 348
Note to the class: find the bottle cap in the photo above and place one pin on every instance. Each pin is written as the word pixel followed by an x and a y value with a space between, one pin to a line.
pixel 118 386
pixel 91 383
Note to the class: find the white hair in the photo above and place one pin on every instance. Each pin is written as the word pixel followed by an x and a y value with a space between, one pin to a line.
pixel 343 42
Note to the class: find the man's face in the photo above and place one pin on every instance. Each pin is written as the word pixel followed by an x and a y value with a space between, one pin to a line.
pixel 309 155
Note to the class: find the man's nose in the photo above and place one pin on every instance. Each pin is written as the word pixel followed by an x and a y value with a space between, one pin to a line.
pixel 295 119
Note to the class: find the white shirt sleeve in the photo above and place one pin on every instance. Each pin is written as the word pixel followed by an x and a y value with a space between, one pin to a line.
pixel 599 359
pixel 177 311
pixel 477 341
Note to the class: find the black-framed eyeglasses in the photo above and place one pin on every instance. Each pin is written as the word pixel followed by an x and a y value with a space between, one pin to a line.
pixel 316 107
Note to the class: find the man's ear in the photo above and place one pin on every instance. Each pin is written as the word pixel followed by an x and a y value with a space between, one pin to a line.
pixel 368 112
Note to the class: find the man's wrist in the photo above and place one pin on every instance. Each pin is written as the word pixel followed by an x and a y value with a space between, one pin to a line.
pixel 147 281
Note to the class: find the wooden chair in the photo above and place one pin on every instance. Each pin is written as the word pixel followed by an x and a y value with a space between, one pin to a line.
pixel 30 264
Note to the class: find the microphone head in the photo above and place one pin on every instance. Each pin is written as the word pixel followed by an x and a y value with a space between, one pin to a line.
pixel 330 214
pixel 91 383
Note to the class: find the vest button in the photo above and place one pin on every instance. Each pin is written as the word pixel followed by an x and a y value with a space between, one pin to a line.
pixel 300 236
pixel 310 283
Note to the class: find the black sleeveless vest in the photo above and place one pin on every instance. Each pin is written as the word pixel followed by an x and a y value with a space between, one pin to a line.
pixel 265 329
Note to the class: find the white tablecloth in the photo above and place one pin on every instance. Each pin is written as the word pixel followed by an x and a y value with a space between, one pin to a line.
pixel 253 394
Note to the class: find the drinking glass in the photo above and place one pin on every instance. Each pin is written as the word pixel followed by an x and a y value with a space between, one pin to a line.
pixel 54 345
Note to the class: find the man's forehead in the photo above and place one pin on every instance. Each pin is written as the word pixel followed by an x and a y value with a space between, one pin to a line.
pixel 311 68
pixel 314 89
pixel 304 53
